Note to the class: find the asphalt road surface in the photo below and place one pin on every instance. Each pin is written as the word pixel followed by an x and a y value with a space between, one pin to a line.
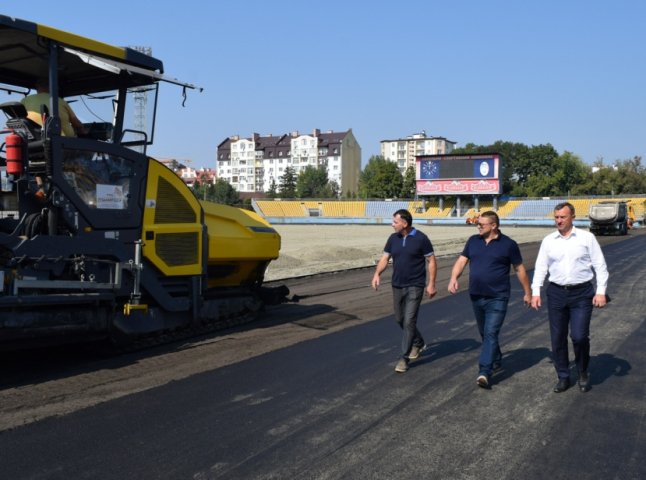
pixel 309 392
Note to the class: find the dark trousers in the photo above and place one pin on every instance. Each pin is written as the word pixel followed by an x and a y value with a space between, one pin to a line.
pixel 570 308
pixel 406 302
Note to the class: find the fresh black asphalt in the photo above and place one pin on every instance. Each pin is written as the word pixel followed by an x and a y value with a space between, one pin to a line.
pixel 333 407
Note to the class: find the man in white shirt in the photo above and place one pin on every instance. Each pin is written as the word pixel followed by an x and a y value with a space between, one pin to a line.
pixel 572 257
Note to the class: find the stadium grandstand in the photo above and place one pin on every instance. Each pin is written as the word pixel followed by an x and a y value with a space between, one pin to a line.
pixel 509 210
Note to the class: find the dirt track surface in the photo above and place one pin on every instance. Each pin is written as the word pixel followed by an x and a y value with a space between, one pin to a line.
pixel 54 382
pixel 309 249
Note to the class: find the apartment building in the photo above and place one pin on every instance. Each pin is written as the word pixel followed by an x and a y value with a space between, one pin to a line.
pixel 252 164
pixel 403 151
pixel 191 175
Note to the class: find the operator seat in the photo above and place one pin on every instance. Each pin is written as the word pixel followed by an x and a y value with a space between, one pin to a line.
pixel 17 120
pixel 31 132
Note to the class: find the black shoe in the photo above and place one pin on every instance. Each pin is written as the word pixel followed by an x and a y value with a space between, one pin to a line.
pixel 562 385
pixel 584 381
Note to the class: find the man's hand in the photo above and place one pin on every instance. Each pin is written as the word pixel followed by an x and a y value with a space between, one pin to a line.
pixel 599 301
pixel 527 299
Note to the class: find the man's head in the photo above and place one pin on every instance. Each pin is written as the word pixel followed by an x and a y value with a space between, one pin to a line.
pixel 564 216
pixel 402 221
pixel 42 85
pixel 488 223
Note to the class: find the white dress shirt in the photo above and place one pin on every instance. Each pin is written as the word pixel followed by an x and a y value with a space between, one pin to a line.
pixel 570 261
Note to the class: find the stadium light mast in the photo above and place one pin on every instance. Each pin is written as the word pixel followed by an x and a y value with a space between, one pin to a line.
pixel 141 101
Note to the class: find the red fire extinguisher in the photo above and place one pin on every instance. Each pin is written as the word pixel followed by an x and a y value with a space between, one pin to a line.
pixel 14 154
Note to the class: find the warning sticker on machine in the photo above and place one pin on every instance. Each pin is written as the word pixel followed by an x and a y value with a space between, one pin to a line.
pixel 110 197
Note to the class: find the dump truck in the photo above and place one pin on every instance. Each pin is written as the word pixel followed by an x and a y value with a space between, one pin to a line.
pixel 611 218
pixel 98 240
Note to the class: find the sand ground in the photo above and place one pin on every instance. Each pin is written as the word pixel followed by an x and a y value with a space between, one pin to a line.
pixel 310 249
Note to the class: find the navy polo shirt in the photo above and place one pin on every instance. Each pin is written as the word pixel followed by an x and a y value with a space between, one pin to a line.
pixel 489 265
pixel 409 258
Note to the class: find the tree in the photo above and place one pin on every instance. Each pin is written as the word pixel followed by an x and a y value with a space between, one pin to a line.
pixel 571 172
pixel 272 192
pixel 313 182
pixel 380 179
pixel 334 189
pixel 223 192
pixel 287 187
pixel 409 185
pixel 567 174
pixel 623 177
pixel 632 176
pixel 200 190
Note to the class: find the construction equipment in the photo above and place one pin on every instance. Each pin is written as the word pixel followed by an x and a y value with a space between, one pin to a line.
pixel 97 239
pixel 611 218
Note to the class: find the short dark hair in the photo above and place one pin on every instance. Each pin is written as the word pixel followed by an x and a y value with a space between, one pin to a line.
pixel 404 215
pixel 562 205
pixel 493 215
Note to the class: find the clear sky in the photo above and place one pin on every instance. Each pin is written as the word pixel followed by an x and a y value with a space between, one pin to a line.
pixel 566 72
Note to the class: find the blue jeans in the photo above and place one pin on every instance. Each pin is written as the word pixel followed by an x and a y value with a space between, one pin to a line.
pixel 490 314
pixel 571 308
pixel 406 302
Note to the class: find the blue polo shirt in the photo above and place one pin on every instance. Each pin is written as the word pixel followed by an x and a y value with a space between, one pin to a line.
pixel 409 258
pixel 489 265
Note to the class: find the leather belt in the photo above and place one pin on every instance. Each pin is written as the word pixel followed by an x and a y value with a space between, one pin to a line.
pixel 572 287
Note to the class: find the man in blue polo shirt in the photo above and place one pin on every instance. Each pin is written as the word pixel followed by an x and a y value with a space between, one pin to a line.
pixel 414 270
pixel 490 254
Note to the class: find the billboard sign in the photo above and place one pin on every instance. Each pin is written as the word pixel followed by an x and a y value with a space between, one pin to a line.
pixel 477 174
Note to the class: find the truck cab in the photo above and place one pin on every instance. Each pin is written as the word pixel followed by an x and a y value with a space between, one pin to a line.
pixel 610 218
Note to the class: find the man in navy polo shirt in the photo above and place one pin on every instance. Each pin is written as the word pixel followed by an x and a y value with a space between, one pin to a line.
pixel 490 254
pixel 414 270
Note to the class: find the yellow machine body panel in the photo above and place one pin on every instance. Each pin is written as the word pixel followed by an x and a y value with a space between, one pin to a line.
pixel 172 227
pixel 79 41
pixel 241 245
